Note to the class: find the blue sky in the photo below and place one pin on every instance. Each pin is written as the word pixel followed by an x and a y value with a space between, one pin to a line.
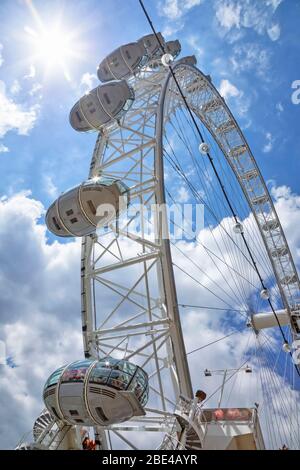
pixel 250 48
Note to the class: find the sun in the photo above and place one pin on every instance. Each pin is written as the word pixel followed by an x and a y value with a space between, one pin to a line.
pixel 51 44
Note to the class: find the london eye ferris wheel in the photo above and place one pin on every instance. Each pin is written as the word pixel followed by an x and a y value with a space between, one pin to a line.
pixel 162 124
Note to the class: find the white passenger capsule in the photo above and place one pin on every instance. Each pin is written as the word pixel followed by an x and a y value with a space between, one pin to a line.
pixel 83 209
pixel 153 45
pixel 173 48
pixel 103 392
pixel 123 62
pixel 101 106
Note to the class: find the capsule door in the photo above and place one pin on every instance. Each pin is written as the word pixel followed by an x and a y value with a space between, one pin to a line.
pixel 114 97
pixel 93 110
pixel 71 393
pixel 135 55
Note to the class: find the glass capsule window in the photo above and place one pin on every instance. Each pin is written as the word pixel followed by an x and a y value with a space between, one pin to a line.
pixel 144 59
pixel 102 181
pixel 144 397
pixel 139 384
pixel 121 375
pixel 119 379
pixel 123 188
pixel 127 104
pixel 76 371
pixel 99 375
pixel 54 378
pixel 107 181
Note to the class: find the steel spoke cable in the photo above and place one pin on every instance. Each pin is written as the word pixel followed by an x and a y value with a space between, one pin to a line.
pixel 269 408
pixel 213 342
pixel 279 400
pixel 237 199
pixel 210 253
pixel 203 272
pixel 197 163
pixel 266 409
pixel 200 284
pixel 211 308
pixel 197 197
pixel 275 381
pixel 233 278
pixel 274 425
pixel 208 193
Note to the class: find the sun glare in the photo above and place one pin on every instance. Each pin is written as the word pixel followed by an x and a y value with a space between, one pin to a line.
pixel 50 44
pixel 53 46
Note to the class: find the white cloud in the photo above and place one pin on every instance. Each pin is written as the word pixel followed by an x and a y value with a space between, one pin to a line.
pixel 183 195
pixel 241 103
pixel 36 87
pixel 194 41
pixel 251 56
pixel 3 148
pixel 229 15
pixel 228 90
pixel 274 32
pixel 274 4
pixel 170 30
pixel 14 116
pixel 41 324
pixel 31 72
pixel 15 87
pixel 88 82
pixel 174 9
pixel 269 144
pixel 171 9
pixel 50 187
pixel 253 14
pixel 279 107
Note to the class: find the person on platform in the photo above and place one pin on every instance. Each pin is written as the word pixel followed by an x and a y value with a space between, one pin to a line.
pixel 200 395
